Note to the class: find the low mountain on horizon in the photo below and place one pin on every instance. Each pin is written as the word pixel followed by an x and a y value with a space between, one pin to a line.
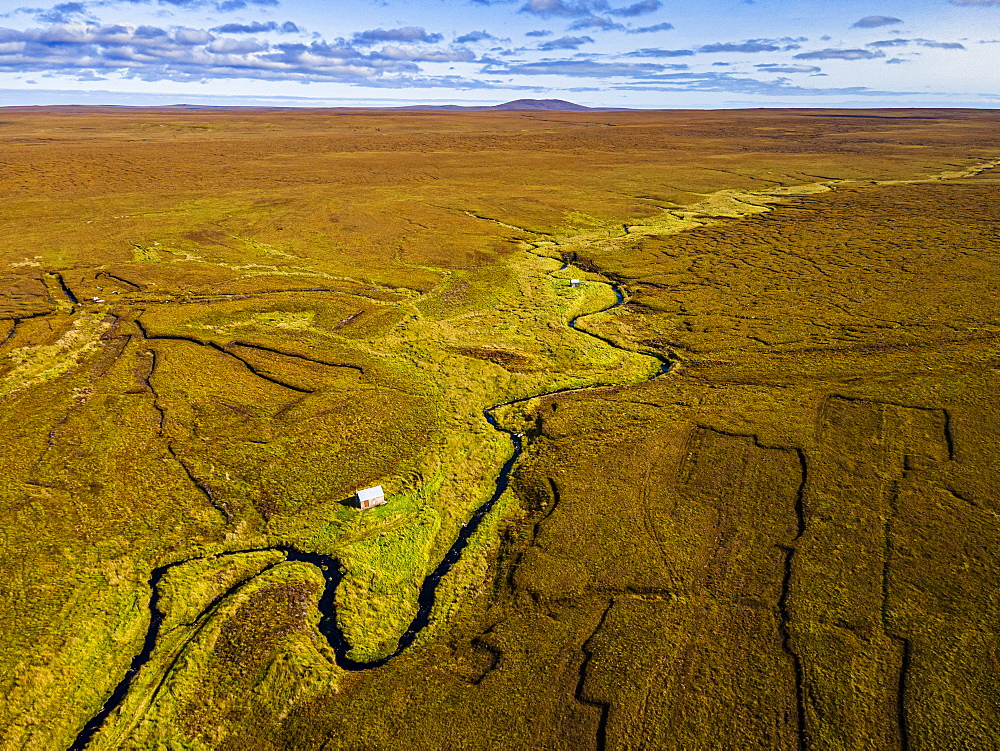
pixel 559 105
pixel 539 104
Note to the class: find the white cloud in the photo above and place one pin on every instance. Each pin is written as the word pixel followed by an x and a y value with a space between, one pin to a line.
pixel 872 22
pixel 831 54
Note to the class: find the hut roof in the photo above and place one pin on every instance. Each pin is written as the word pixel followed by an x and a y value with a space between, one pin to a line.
pixel 368 493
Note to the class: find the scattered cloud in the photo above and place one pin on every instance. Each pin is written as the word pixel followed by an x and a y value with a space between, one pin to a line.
pixel 475 36
pixel 873 22
pixel 409 34
pixel 584 68
pixel 743 47
pixel 941 45
pixel 62 13
pixel 572 8
pixel 656 52
pixel 220 5
pixel 729 83
pixel 588 8
pixel 75 43
pixel 564 43
pixel 719 81
pixel 831 54
pixel 751 45
pixel 151 53
pixel 417 55
pixel 228 5
pixel 257 28
pixel 650 29
pixel 596 22
pixel 890 43
pixel 637 9
pixel 881 44
pixel 787 68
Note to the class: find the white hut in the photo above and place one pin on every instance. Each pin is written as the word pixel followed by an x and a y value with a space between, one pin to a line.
pixel 574 282
pixel 371 497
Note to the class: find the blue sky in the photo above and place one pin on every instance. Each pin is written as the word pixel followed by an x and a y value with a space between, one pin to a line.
pixel 622 53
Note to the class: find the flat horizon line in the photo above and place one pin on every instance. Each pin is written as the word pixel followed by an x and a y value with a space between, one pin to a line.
pixel 460 109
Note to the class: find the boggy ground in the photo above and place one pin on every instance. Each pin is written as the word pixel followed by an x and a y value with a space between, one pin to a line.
pixel 786 542
pixel 778 546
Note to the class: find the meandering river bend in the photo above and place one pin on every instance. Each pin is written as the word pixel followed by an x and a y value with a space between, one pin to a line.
pixel 332 570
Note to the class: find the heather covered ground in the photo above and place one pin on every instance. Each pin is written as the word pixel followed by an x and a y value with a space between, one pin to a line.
pixel 217 325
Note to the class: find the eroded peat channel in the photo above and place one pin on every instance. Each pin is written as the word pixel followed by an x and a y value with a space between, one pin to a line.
pixel 330 566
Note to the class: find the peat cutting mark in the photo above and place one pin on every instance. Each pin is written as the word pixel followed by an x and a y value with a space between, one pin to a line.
pixel 133 285
pixel 788 552
pixel 604 707
pixel 329 364
pixel 65 288
pixel 221 506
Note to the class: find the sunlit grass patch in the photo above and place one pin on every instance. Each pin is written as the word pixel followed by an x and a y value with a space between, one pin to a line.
pixel 268 319
pixel 31 365
pixel 384 570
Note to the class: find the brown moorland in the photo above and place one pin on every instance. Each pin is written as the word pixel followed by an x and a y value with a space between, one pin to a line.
pixel 219 324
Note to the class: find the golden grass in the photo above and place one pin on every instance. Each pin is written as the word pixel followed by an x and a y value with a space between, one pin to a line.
pixel 301 304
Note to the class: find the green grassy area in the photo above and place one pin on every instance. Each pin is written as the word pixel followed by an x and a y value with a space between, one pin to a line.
pixel 181 700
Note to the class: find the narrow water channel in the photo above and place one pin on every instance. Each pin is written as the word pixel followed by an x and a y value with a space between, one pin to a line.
pixel 332 571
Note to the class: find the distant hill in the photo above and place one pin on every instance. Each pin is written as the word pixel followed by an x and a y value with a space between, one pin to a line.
pixel 539 104
pixel 559 105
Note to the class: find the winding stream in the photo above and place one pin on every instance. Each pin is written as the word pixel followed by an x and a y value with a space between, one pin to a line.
pixel 332 571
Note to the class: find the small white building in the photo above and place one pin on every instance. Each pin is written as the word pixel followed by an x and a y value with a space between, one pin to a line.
pixel 574 282
pixel 371 497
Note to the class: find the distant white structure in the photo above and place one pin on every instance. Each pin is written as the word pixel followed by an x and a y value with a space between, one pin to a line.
pixel 574 282
pixel 371 497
